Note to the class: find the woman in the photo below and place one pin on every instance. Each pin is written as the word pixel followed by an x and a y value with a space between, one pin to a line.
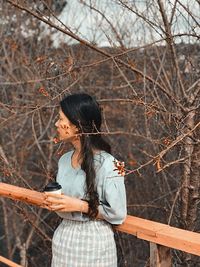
pixel 93 196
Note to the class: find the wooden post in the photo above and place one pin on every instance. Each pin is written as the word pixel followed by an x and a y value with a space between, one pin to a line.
pixel 160 256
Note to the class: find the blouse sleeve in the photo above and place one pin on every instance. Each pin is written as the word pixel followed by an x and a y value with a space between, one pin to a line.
pixel 113 205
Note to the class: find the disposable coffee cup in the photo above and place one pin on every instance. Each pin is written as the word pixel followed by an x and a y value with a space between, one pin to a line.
pixel 53 187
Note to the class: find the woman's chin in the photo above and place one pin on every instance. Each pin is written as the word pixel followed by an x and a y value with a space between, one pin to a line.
pixel 64 138
pixel 67 139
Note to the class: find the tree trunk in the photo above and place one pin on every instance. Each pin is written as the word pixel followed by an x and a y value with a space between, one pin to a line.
pixel 188 147
pixel 191 183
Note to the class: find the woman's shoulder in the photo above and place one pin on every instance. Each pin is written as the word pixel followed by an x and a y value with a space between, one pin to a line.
pixel 65 157
pixel 104 159
pixel 109 166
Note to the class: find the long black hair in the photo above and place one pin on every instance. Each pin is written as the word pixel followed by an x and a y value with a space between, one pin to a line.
pixel 84 112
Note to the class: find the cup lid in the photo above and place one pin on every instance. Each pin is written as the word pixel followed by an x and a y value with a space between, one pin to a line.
pixel 52 186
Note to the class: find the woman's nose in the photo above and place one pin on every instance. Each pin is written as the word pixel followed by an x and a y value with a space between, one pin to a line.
pixel 56 124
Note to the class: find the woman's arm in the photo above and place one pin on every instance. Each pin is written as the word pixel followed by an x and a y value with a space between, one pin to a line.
pixel 113 205
pixel 63 203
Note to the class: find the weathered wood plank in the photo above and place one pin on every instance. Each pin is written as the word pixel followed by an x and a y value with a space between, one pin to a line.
pixel 9 262
pixel 162 234
pixel 22 194
pixel 144 229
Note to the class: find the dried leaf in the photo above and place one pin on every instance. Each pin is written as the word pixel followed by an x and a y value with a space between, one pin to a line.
pixel 132 162
pixel 69 62
pixel 150 113
pixel 40 59
pixel 166 141
pixel 14 46
pixel 55 140
pixel 6 172
pixel 131 63
pixel 120 167
pixel 43 91
pixel 158 164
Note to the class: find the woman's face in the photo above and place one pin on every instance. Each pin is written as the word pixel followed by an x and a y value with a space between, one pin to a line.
pixel 65 129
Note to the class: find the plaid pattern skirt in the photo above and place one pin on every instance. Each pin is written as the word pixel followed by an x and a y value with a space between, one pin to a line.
pixel 84 244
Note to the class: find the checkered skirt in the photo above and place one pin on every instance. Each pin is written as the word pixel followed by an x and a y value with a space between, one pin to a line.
pixel 84 244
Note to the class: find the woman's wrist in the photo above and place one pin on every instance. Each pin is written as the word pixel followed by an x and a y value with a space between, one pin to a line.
pixel 81 206
pixel 84 207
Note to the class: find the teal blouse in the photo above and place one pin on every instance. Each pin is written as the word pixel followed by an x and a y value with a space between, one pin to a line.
pixel 110 187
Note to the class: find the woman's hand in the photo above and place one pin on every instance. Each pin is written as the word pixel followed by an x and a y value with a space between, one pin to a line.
pixel 63 203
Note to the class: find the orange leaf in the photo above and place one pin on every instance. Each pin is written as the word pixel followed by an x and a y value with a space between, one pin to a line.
pixel 14 46
pixel 43 91
pixel 158 164
pixel 69 62
pixel 132 63
pixel 40 59
pixel 166 141
pixel 132 162
pixel 55 140
pixel 150 113
pixel 120 167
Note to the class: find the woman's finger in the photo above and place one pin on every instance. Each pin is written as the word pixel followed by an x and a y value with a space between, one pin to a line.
pixel 53 200
pixel 62 209
pixel 53 195
pixel 54 203
pixel 46 207
pixel 56 207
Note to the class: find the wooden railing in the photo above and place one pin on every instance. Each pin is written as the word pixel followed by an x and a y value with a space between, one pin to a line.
pixel 162 237
pixel 9 262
